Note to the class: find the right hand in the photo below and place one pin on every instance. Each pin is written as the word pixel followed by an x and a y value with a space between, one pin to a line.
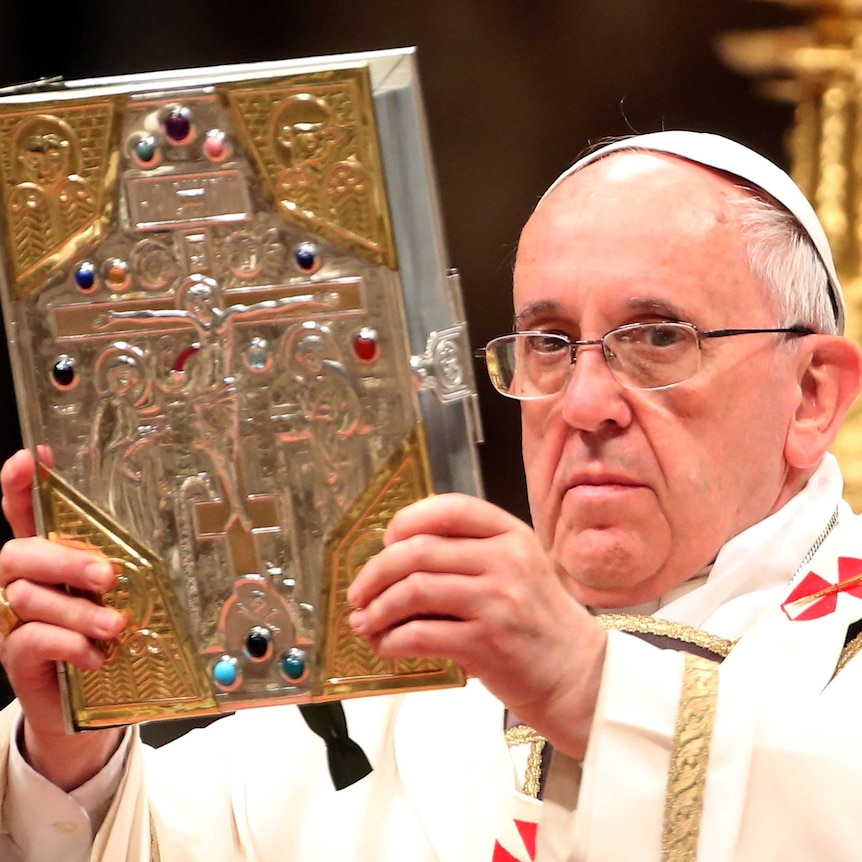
pixel 55 626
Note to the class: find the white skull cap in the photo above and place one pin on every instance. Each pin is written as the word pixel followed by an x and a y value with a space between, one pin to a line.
pixel 723 154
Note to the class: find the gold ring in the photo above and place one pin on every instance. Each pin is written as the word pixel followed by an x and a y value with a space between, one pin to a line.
pixel 9 620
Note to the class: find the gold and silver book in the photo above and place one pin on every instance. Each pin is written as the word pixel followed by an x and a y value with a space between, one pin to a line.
pixel 237 352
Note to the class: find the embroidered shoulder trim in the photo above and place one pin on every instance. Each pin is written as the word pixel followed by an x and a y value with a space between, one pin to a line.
pixel 850 651
pixel 521 734
pixel 155 856
pixel 689 759
pixel 636 624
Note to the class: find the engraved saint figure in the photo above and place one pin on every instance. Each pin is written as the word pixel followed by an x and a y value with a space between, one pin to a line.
pixel 329 420
pixel 123 466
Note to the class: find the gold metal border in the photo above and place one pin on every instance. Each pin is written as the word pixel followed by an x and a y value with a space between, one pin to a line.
pixel 689 760
pixel 347 664
pixel 175 684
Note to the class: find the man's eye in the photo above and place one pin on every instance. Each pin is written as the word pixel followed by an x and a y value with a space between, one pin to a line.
pixel 546 344
pixel 658 335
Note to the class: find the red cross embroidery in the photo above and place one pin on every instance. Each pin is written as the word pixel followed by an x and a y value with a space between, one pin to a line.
pixel 528 834
pixel 815 597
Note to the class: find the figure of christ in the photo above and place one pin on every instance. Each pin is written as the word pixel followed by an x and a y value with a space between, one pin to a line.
pixel 211 384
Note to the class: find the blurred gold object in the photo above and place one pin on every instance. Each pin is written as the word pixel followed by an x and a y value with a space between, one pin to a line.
pixel 817 67
pixel 9 620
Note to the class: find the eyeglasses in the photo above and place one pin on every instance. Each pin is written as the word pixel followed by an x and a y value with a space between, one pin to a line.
pixel 531 365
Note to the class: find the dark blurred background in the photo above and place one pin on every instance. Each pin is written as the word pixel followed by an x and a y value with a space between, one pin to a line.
pixel 514 91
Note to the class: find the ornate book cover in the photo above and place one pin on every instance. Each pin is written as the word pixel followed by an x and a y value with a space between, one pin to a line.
pixel 237 352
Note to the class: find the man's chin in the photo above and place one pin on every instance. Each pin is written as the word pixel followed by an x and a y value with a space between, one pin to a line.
pixel 608 575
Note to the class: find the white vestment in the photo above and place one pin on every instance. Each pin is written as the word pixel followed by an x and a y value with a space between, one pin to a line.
pixel 784 767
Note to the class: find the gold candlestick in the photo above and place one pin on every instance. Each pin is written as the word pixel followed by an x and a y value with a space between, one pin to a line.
pixel 817 66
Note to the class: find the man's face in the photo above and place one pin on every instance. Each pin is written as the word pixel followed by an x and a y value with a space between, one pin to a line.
pixel 633 492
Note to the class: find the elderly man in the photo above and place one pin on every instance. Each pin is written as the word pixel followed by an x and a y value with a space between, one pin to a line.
pixel 678 357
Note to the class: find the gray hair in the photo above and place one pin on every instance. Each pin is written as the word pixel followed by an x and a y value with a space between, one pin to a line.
pixel 781 253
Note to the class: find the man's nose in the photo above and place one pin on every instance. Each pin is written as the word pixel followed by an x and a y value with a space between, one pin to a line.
pixel 592 396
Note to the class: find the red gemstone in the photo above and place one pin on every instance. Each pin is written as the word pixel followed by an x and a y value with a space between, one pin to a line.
pixel 365 346
pixel 214 145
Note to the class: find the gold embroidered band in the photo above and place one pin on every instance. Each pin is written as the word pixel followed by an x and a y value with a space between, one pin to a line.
pixel 636 624
pixel 851 650
pixel 523 735
pixel 689 760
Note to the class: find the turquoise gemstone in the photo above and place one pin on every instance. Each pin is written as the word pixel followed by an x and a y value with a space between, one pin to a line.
pixel 145 149
pixel 293 664
pixel 225 672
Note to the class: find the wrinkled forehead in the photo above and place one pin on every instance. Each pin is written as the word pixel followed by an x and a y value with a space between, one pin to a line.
pixel 730 158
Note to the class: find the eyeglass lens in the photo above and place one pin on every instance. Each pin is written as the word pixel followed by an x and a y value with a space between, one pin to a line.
pixel 529 365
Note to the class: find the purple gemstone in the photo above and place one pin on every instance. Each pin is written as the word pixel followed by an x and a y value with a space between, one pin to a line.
pixel 177 124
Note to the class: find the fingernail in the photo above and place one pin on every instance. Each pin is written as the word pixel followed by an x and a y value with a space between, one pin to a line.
pixel 100 574
pixel 106 622
pixel 357 621
pixel 93 660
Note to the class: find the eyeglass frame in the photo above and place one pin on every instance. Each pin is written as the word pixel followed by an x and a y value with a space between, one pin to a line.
pixel 575 345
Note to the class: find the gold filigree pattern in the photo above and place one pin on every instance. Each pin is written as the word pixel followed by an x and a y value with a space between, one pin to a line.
pixel 151 669
pixel 689 760
pixel 56 173
pixel 521 734
pixel 313 138
pixel 349 664
pixel 636 624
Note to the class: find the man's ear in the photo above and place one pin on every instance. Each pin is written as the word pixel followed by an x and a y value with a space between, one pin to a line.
pixel 830 374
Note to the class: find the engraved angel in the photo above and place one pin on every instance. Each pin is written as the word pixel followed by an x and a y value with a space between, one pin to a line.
pixel 51 200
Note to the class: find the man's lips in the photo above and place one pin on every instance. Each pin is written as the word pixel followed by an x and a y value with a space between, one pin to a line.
pixel 600 486
pixel 598 480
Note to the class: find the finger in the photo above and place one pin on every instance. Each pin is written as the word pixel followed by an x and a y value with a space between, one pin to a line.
pixel 35 602
pixel 419 595
pixel 30 651
pixel 37 559
pixel 16 481
pixel 421 638
pixel 456 515
pixel 416 553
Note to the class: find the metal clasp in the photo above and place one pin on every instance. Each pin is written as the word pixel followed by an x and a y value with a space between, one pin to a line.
pixel 442 367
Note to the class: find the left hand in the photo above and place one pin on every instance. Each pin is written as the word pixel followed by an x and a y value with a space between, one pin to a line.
pixel 460 578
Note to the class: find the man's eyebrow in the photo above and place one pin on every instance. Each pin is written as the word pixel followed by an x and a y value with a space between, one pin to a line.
pixel 660 307
pixel 639 304
pixel 542 307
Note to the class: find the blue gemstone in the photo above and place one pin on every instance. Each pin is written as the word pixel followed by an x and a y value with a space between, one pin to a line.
pixel 225 672
pixel 306 256
pixel 85 275
pixel 293 664
pixel 258 354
